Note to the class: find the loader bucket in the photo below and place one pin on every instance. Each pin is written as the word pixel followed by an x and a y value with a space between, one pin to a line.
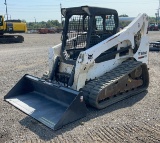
pixel 50 104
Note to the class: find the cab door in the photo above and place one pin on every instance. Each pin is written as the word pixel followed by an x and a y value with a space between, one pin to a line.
pixel 1 25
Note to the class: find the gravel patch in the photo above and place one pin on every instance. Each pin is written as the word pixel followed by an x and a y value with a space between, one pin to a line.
pixel 136 119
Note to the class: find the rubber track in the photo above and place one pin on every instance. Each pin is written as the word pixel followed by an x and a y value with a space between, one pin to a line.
pixel 11 39
pixel 93 88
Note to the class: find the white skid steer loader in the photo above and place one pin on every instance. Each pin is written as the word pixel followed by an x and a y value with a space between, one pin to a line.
pixel 94 65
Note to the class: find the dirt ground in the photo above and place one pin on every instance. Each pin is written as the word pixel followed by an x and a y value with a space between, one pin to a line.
pixel 136 119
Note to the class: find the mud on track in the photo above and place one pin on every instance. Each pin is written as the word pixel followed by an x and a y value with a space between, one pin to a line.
pixel 136 119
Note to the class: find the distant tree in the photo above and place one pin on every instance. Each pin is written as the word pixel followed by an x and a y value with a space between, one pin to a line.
pixel 43 24
pixel 52 23
pixel 123 23
pixel 23 20
pixel 152 19
pixel 30 25
pixel 123 15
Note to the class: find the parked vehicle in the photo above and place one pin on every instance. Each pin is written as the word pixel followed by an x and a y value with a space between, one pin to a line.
pixel 153 27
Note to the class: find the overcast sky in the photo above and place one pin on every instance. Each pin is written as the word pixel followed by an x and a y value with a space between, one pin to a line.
pixel 43 10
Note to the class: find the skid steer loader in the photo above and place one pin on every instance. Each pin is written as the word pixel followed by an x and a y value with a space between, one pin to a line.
pixel 94 65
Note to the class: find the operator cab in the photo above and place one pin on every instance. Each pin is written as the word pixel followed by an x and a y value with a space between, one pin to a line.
pixel 85 27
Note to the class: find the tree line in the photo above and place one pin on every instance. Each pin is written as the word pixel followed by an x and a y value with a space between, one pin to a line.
pixel 123 23
pixel 57 24
pixel 43 24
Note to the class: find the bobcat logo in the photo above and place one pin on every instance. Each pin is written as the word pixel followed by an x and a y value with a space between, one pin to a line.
pixel 142 53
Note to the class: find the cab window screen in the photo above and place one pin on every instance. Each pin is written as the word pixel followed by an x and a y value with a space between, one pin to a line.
pixel 77 32
pixel 110 23
pixel 1 23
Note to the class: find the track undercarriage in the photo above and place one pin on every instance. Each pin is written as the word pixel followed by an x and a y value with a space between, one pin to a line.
pixel 11 39
pixel 128 79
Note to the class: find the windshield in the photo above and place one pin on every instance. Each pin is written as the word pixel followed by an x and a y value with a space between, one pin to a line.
pixel 77 30
pixel 76 35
